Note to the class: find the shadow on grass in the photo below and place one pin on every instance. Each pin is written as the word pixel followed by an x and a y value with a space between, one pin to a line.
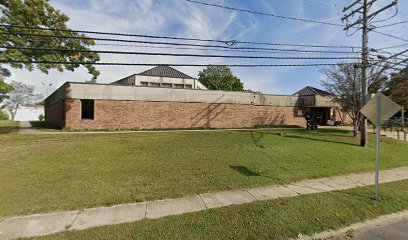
pixel 367 195
pixel 257 139
pixel 249 173
pixel 331 131
pixel 328 133
pixel 41 125
pixel 321 140
pixel 256 136
pixel 6 127
pixel 245 171
pixel 6 130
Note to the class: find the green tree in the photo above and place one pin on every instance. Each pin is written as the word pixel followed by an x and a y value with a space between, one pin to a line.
pixel 3 115
pixel 397 87
pixel 4 87
pixel 220 78
pixel 34 14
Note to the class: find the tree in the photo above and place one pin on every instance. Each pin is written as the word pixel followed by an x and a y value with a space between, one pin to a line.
pixel 22 95
pixel 220 78
pixel 397 87
pixel 22 19
pixel 4 87
pixel 3 115
pixel 344 81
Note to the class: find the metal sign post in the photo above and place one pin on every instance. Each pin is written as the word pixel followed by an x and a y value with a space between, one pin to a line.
pixel 377 148
pixel 378 110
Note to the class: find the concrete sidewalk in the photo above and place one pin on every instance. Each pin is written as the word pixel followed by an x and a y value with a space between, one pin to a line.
pixel 26 128
pixel 44 224
pixel 394 134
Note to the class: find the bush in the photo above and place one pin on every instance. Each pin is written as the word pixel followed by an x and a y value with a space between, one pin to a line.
pixel 41 117
pixel 3 115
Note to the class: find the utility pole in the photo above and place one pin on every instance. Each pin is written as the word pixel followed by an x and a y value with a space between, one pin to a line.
pixel 364 65
pixel 364 21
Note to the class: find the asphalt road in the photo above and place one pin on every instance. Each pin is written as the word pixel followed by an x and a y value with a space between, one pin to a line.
pixel 393 231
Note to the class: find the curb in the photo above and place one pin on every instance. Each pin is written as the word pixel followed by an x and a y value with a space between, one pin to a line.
pixel 350 231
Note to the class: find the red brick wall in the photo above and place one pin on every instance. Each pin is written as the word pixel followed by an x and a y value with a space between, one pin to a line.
pixel 54 114
pixel 343 116
pixel 162 115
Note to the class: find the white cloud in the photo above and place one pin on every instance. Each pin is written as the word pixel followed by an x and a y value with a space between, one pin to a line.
pixel 144 17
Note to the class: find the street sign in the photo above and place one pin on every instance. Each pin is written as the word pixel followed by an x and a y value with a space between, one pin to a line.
pixel 388 108
pixel 378 110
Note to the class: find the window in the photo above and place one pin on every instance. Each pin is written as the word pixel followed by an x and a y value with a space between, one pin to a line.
pixel 153 84
pixel 144 84
pixel 188 86
pixel 167 85
pixel 87 109
pixel 178 86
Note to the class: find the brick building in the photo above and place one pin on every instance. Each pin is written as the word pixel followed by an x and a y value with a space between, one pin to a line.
pixel 101 106
pixel 124 105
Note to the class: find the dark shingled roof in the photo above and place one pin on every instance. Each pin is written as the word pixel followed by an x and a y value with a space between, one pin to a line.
pixel 307 91
pixel 164 71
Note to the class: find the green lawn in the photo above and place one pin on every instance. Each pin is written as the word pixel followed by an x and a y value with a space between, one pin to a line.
pixel 277 219
pixel 43 173
pixel 8 126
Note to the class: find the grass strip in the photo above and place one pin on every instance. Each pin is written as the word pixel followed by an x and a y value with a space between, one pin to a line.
pixel 277 219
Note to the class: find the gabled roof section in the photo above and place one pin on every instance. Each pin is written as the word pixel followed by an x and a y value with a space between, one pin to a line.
pixel 307 91
pixel 164 71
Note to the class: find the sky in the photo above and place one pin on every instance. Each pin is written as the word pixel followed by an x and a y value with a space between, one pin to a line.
pixel 180 18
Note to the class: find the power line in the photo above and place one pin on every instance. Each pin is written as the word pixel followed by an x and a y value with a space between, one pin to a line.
pixel 379 57
pixel 176 54
pixel 228 42
pixel 390 65
pixel 395 3
pixel 264 14
pixel 220 50
pixel 395 46
pixel 393 56
pixel 386 52
pixel 403 63
pixel 112 33
pixel 175 65
pixel 171 43
pixel 389 35
pixel 391 24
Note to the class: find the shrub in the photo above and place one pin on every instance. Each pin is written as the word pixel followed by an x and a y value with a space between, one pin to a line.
pixel 3 115
pixel 41 117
